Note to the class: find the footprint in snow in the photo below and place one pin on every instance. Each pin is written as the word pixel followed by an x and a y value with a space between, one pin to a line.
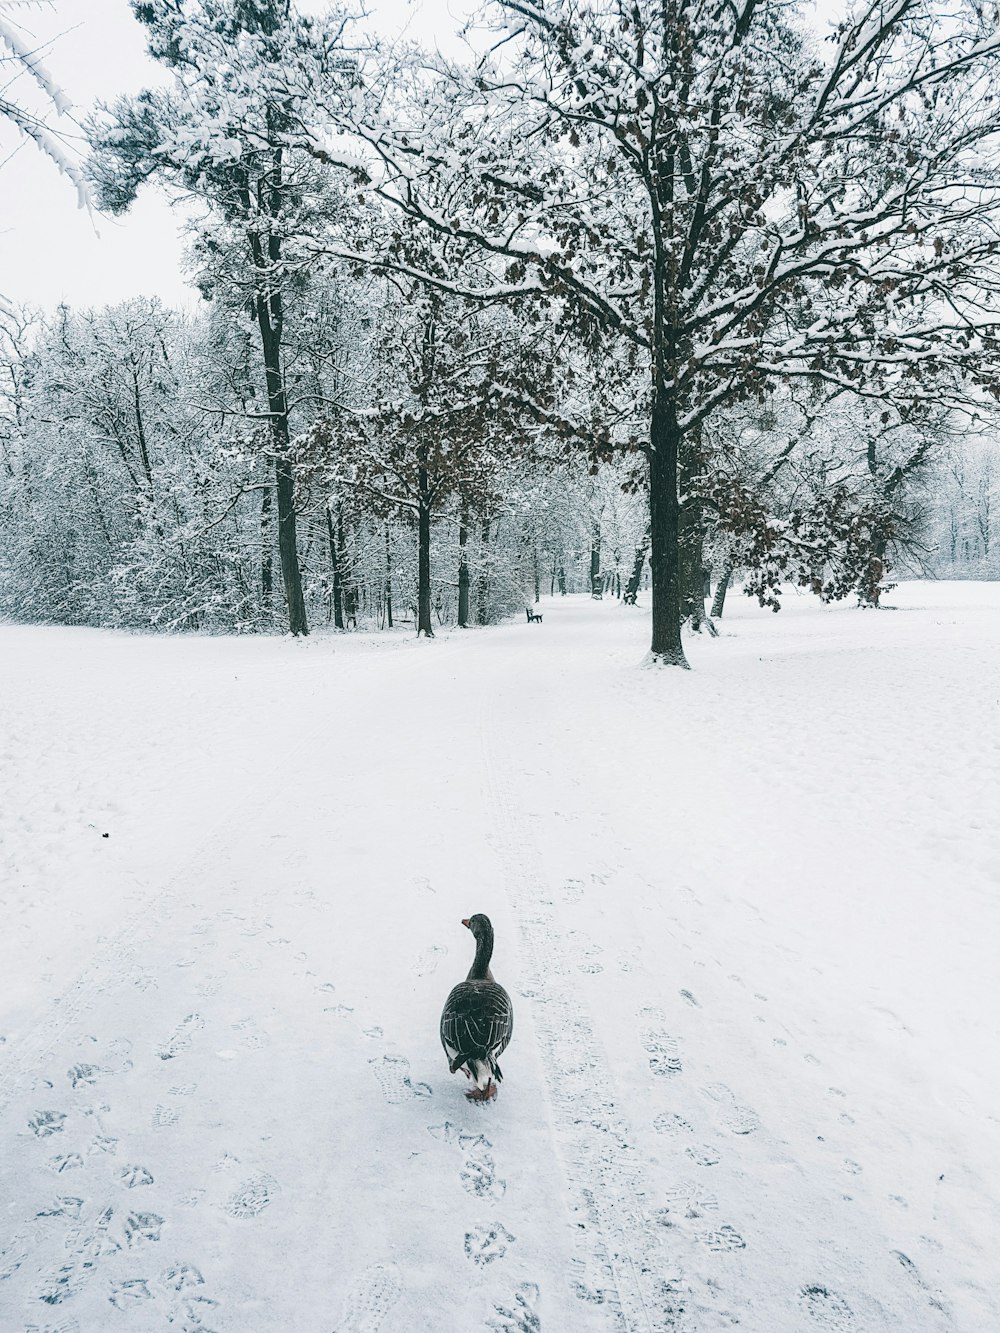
pixel 703 1154
pixel 687 1199
pixel 662 1049
pixel 827 1309
pixel 723 1241
pixel 369 1300
pixel 252 1197
pixel 735 1117
pixel 392 1073
pixel 181 1037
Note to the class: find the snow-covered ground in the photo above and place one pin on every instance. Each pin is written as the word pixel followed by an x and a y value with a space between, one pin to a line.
pixel 748 916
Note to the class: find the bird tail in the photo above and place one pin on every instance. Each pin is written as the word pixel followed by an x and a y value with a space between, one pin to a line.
pixel 483 1070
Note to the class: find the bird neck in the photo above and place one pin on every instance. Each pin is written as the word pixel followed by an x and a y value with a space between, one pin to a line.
pixel 480 970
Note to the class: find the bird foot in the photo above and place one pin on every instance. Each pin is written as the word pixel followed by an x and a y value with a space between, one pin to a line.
pixel 483 1094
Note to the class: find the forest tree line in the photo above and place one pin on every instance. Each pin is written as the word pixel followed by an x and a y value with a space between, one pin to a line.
pixel 644 293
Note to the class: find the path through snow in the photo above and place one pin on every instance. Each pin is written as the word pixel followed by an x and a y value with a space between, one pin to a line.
pixel 747 915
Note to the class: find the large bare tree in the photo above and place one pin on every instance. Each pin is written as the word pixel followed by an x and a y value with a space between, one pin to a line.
pixel 718 195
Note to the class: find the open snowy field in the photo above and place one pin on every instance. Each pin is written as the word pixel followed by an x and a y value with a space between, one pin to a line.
pixel 749 917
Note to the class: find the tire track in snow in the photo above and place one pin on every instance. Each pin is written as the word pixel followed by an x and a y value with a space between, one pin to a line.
pixel 623 1265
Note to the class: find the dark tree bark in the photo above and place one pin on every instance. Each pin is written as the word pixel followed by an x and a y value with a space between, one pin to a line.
pixel 338 594
pixel 388 579
pixel 463 565
pixel 664 524
pixel 266 561
pixel 561 579
pixel 538 575
pixel 638 564
pixel 424 502
pixel 269 320
pixel 721 588
pixel 595 561
pixel 482 591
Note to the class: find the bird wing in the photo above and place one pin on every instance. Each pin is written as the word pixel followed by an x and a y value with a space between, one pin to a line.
pixel 478 1019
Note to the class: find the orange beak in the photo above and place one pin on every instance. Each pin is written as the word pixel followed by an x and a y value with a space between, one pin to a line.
pixel 465 920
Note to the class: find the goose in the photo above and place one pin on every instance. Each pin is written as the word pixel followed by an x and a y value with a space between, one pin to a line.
pixel 478 1018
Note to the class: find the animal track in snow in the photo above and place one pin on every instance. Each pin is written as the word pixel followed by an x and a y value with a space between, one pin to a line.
pixel 369 1300
pixel 181 1037
pixel 71 1327
pixel 45 1123
pixel 392 1072
pixel 478 1173
pixel 735 1117
pixel 130 1293
pixel 828 1311
pixel 686 995
pixel 252 1196
pixel 180 1277
pixel 523 1316
pixel 140 1227
pixel 84 1075
pixel 662 1049
pixel 487 1243
pixel 69 1161
pixel 132 1177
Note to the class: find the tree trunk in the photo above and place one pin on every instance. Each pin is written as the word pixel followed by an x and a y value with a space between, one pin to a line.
pixel 595 560
pixel 664 515
pixel 538 576
pixel 721 588
pixel 266 562
pixel 561 577
pixel 635 578
pixel 388 579
pixel 269 321
pixel 424 624
pixel 463 565
pixel 338 594
pixel 482 610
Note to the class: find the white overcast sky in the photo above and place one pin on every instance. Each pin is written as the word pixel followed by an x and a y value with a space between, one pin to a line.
pixel 50 251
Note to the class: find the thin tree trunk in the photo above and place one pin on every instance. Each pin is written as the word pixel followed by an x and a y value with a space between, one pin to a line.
pixel 338 593
pixel 664 516
pixel 721 588
pixel 538 576
pixel 266 559
pixel 635 578
pixel 269 321
pixel 482 611
pixel 424 623
pixel 595 561
pixel 388 579
pixel 463 565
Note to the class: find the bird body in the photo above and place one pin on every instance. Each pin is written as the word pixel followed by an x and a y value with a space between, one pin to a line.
pixel 478 1018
